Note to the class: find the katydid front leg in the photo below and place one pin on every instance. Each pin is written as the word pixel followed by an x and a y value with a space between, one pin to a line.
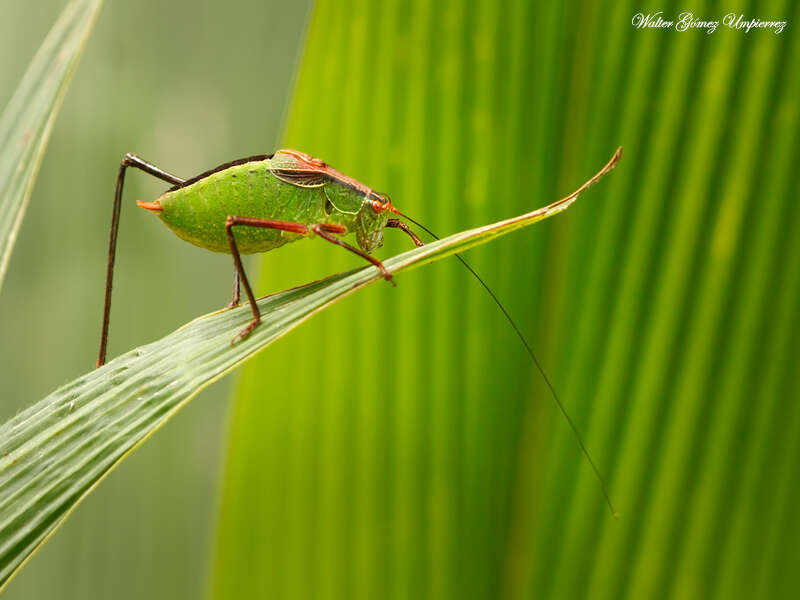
pixel 398 224
pixel 323 230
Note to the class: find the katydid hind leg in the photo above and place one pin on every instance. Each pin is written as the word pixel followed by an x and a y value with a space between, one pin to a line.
pixel 129 160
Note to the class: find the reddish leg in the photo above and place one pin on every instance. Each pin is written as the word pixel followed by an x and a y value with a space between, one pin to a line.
pixel 322 231
pixel 232 222
pixel 398 224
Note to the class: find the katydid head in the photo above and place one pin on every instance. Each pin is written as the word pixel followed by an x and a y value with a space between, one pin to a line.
pixel 381 202
pixel 371 221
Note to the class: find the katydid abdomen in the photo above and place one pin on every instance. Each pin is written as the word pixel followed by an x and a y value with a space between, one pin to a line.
pixel 197 211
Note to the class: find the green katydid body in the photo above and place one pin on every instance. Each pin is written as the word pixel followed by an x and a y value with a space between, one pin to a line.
pixel 276 199
pixel 287 186
pixel 270 200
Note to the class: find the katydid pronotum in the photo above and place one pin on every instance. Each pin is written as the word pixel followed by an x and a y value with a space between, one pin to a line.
pixel 274 199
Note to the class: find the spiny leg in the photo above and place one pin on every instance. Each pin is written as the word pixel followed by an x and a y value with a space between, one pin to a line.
pixel 323 232
pixel 398 224
pixel 232 222
pixel 129 160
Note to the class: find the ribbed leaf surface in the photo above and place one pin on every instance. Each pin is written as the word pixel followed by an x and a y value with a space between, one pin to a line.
pixel 27 120
pixel 55 452
pixel 404 446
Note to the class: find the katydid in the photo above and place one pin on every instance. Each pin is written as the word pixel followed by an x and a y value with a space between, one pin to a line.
pixel 260 203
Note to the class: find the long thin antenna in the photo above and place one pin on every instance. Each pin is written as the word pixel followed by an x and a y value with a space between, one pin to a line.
pixel 528 348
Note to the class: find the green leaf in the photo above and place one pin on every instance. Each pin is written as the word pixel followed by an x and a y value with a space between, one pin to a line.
pixel 55 452
pixel 28 119
pixel 407 448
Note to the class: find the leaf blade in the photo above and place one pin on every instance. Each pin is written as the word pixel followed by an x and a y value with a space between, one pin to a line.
pixel 55 452
pixel 27 121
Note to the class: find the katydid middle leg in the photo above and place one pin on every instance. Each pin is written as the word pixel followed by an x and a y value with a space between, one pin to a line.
pixel 324 231
pixel 236 289
pixel 232 222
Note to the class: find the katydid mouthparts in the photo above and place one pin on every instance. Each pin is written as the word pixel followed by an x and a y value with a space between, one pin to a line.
pixel 260 203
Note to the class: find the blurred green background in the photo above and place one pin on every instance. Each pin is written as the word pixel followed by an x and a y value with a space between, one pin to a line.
pixel 188 86
pixel 401 444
